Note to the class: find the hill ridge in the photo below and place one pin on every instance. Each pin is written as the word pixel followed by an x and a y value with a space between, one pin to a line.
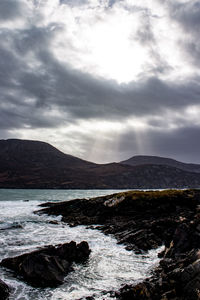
pixel 160 160
pixel 35 164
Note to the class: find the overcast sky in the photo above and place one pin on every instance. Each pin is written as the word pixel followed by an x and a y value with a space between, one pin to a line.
pixel 103 80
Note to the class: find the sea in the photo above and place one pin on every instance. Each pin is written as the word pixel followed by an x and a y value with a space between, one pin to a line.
pixel 109 267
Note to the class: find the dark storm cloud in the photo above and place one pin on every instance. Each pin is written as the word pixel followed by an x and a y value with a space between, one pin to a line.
pixel 39 91
pixel 192 49
pixel 112 2
pixel 182 144
pixel 83 96
pixel 24 88
pixel 11 9
pixel 146 37
pixel 30 92
pixel 74 2
pixel 187 15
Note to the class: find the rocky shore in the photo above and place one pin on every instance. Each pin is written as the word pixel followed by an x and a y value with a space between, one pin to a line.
pixel 46 267
pixel 143 221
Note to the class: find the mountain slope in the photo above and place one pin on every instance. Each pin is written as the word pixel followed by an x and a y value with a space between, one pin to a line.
pixel 156 160
pixel 25 163
pixel 16 153
pixel 34 164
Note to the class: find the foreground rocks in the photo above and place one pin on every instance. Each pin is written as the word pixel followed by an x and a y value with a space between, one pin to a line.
pixel 146 220
pixel 4 290
pixel 178 274
pixel 48 266
pixel 140 220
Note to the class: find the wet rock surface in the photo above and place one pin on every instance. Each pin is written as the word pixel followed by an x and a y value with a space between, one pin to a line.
pixel 48 266
pixel 4 290
pixel 146 220
pixel 140 220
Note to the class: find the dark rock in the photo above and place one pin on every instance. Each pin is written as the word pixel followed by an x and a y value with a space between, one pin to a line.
pixel 49 270
pixel 48 266
pixel 181 238
pixel 143 221
pixel 139 291
pixel 169 295
pixel 4 290
pixel 140 220
pixel 54 222
pixel 189 280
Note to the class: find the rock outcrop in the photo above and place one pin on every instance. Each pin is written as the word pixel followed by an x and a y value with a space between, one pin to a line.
pixel 178 274
pixel 140 220
pixel 4 290
pixel 146 220
pixel 48 266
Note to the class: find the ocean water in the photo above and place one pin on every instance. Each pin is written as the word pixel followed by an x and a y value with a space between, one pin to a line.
pixel 109 267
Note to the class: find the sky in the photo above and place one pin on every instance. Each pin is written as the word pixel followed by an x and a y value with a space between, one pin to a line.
pixel 103 80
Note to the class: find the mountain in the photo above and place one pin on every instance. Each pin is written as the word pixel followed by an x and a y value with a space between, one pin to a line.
pixel 25 163
pixel 15 153
pixel 156 160
pixel 34 164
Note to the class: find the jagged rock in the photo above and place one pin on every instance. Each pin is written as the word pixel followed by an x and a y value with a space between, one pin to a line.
pixel 146 220
pixel 4 290
pixel 47 266
pixel 188 280
pixel 137 292
pixel 140 220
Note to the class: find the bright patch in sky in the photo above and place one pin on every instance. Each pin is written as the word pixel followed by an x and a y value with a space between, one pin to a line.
pixel 127 41
pixel 102 79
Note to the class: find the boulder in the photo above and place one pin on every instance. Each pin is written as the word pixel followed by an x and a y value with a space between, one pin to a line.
pixel 48 266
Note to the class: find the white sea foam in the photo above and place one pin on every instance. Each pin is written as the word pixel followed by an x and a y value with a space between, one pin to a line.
pixel 108 267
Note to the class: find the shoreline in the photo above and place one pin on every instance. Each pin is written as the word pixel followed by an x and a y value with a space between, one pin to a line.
pixel 143 221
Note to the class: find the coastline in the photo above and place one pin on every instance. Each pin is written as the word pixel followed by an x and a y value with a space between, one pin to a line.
pixel 143 221
pixel 139 221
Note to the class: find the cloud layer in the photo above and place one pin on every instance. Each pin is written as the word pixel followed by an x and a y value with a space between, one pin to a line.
pixel 103 80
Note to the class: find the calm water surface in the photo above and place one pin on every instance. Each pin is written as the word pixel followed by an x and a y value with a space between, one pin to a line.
pixel 108 267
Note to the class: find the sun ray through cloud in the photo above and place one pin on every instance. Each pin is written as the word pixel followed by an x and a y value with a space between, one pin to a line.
pixel 72 69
